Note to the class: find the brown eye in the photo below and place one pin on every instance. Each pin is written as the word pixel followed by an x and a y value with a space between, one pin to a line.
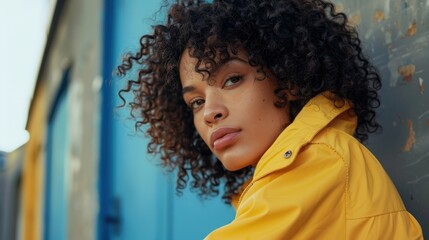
pixel 231 81
pixel 195 104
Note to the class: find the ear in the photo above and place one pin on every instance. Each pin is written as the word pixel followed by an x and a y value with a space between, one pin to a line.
pixel 289 93
pixel 292 91
pixel 282 96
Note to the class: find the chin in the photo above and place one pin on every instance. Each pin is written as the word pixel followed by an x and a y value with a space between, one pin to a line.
pixel 234 161
pixel 230 166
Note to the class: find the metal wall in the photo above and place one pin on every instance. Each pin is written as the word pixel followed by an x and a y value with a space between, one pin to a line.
pixel 395 34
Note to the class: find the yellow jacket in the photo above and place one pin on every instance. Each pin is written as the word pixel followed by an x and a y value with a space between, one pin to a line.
pixel 318 182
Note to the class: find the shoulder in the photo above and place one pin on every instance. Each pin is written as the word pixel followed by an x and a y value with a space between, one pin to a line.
pixel 369 189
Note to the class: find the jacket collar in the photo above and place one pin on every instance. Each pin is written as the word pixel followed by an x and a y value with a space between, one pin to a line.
pixel 318 113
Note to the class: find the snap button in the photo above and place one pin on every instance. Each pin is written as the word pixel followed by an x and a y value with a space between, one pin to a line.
pixel 288 154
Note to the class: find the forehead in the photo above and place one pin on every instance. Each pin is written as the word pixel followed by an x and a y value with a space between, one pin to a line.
pixel 188 64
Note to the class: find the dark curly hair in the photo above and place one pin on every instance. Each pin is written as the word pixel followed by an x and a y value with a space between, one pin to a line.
pixel 308 46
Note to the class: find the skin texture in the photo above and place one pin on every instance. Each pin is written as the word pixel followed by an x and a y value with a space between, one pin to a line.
pixel 236 105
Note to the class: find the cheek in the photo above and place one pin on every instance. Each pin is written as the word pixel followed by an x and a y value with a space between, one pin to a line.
pixel 272 118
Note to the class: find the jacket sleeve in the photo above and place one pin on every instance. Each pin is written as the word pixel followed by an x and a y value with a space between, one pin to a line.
pixel 305 200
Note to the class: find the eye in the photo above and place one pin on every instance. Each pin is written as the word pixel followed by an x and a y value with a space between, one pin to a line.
pixel 196 104
pixel 232 81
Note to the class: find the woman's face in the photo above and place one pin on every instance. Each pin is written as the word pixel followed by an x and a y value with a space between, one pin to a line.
pixel 234 114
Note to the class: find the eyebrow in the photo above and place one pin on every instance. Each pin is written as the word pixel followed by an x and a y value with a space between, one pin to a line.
pixel 219 66
pixel 187 89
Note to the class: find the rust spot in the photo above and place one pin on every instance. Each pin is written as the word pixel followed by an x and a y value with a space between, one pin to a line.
pixel 421 86
pixel 339 8
pixel 412 29
pixel 407 72
pixel 427 123
pixel 378 16
pixel 411 137
pixel 354 19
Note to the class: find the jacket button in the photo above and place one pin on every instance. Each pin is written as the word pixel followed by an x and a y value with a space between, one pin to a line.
pixel 288 154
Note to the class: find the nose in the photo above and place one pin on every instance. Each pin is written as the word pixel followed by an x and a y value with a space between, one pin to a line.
pixel 214 110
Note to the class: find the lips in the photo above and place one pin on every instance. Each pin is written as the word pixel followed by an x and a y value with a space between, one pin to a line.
pixel 224 137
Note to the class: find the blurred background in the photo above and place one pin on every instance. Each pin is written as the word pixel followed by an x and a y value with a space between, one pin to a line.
pixel 71 164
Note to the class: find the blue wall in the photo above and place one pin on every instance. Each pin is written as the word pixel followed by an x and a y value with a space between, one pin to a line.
pixel 138 200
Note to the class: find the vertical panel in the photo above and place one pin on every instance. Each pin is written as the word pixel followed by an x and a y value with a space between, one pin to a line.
pixel 10 193
pixel 104 173
pixel 56 167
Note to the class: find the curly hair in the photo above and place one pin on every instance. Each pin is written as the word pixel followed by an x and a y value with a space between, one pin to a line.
pixel 307 45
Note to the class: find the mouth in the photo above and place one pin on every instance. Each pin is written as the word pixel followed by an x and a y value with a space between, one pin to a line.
pixel 224 137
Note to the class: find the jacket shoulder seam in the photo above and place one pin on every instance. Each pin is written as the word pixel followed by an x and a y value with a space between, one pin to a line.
pixel 378 215
pixel 346 165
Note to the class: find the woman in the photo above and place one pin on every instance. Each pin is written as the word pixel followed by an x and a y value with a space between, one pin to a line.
pixel 271 99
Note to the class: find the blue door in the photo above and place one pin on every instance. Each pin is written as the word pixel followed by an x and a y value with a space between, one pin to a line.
pixel 138 200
